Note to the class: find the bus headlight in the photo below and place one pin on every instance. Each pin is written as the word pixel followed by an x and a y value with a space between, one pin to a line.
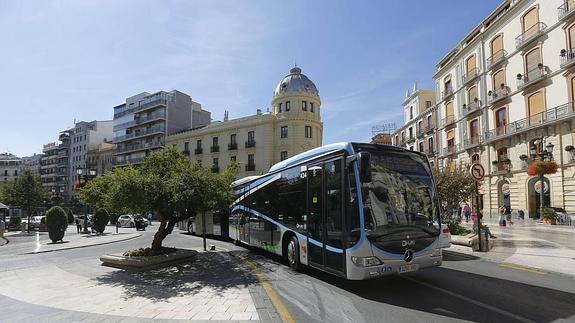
pixel 365 261
pixel 436 252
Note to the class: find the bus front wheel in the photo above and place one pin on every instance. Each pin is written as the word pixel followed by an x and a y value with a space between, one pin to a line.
pixel 292 253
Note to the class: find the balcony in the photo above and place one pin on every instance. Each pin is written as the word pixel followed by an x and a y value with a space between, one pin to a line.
pixel 497 95
pixel 141 107
pixel 250 144
pixel 529 35
pixel 123 162
pixel 472 107
pixel 533 76
pixel 186 152
pixel 449 150
pixel 215 149
pixel 447 92
pixel 142 146
pixel 567 57
pixel 544 118
pixel 420 133
pixel 449 120
pixel 429 128
pixel 250 167
pixel 198 151
pixel 497 57
pixel 472 142
pixel 140 133
pixel 233 146
pixel 566 10
pixel 141 120
pixel 470 75
pixel 501 167
pixel 410 140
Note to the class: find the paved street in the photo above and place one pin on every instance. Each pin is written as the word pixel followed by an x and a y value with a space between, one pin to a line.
pixel 71 285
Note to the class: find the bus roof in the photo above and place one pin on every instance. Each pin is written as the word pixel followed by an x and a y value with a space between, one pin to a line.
pixel 244 180
pixel 323 150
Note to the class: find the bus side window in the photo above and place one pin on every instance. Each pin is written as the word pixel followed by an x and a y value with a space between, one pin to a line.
pixel 352 207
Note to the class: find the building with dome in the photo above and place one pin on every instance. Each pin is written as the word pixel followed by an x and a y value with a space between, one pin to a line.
pixel 290 126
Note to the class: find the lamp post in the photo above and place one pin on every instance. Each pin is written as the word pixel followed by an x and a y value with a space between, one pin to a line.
pixel 545 154
pixel 86 175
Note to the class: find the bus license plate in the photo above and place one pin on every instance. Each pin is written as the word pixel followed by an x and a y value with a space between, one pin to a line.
pixel 408 268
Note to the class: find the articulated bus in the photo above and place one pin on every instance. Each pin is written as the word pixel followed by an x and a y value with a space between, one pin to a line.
pixel 355 210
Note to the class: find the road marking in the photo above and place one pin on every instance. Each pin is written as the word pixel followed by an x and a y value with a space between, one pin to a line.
pixel 469 300
pixel 279 305
pixel 523 268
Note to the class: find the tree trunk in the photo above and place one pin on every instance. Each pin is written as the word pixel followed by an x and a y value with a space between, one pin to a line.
pixel 165 228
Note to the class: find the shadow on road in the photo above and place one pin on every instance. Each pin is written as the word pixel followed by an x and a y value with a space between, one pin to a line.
pixel 216 271
pixel 449 255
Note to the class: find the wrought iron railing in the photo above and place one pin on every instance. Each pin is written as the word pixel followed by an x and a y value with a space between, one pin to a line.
pixel 496 58
pixel 530 34
pixel 533 75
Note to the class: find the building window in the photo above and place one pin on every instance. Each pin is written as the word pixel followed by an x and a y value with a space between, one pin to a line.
pixel 199 144
pixel 283 155
pixel 410 112
pixel 233 159
pixel 420 127
pixel 421 146
pixel 280 107
pixel 215 142
pixel 411 148
pixel 427 104
pixel 311 106
pixel 288 106
pixel 284 131
pixel 429 122
pixel 186 146
pixel 233 139
pixel 215 162
pixel 308 131
pixel 304 105
pixel 396 140
pixel 430 145
pixel 410 133
pixel 475 159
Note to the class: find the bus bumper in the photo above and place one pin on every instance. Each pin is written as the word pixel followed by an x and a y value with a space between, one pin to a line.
pixel 390 267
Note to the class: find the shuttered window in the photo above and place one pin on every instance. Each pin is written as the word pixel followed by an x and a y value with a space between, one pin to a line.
pixel 536 103
pixel 498 79
pixel 449 109
pixel 530 19
pixel 450 134
pixel 571 32
pixel 471 94
pixel 496 44
pixel 532 59
pixel 470 63
pixel 474 129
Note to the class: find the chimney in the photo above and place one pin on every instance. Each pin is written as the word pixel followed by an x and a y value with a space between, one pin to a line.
pixel 226 115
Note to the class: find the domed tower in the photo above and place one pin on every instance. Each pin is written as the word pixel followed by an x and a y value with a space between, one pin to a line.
pixel 297 106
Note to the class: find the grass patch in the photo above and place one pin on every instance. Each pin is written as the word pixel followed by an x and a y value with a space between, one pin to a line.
pixel 148 252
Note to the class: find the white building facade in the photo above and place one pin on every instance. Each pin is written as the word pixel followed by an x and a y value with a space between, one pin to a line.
pixel 506 92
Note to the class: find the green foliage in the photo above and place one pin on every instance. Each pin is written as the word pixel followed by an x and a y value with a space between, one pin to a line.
pixel 56 223
pixel 453 187
pixel 70 216
pixel 457 229
pixel 549 214
pixel 15 223
pixel 114 218
pixel 100 220
pixel 148 252
pixel 165 184
pixel 26 192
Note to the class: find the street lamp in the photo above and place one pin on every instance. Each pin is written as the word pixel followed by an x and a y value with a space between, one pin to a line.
pixel 89 174
pixel 545 154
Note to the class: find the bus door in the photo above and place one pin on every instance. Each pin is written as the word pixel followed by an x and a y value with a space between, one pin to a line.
pixel 325 215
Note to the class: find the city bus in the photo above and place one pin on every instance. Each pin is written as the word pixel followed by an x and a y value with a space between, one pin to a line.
pixel 355 210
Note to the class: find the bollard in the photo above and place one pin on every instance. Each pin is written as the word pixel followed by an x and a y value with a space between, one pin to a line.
pixel 117 226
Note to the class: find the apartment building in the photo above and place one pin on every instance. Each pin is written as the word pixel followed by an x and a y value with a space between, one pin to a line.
pixel 32 163
pixel 142 123
pixel 10 167
pixel 101 156
pixel 505 96
pixel 292 125
pixel 419 123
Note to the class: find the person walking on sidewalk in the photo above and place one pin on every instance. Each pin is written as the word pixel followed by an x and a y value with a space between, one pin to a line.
pixel 466 212
pixel 508 214
pixel 501 216
pixel 78 225
pixel 2 229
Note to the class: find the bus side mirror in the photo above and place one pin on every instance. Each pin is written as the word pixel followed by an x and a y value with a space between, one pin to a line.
pixel 364 167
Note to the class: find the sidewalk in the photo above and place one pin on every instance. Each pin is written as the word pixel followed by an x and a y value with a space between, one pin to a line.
pixel 529 244
pixel 38 242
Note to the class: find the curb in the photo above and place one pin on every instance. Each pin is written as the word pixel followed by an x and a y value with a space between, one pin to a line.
pixel 78 247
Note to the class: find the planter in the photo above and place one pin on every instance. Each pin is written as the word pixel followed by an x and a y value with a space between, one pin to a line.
pixel 143 263
pixel 550 221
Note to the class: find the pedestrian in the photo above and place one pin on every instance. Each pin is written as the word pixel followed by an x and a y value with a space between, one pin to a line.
pixel 78 225
pixel 466 212
pixel 508 215
pixel 501 216
pixel 2 229
pixel 484 228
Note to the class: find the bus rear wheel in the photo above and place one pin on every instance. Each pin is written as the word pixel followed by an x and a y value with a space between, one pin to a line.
pixel 292 254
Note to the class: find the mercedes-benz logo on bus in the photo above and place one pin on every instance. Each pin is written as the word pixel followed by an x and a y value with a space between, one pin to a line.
pixel 408 255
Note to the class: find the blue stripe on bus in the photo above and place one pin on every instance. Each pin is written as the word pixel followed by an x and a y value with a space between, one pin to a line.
pixel 267 218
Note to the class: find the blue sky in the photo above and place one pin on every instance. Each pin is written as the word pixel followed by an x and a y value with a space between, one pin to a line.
pixel 66 60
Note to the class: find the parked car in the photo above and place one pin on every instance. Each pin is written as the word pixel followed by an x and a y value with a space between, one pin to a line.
pixel 35 222
pixel 444 237
pixel 141 223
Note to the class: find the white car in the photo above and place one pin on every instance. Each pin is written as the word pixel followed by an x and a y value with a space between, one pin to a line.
pixel 444 237
pixel 126 221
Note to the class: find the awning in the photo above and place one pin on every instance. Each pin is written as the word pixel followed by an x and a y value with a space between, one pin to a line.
pixel 3 206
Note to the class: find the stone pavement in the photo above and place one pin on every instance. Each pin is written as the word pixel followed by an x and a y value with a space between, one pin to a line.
pixel 38 242
pixel 212 286
pixel 530 244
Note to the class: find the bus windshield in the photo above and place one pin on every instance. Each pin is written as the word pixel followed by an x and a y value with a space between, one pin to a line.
pixel 400 195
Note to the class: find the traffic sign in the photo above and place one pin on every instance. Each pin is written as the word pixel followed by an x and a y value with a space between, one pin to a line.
pixel 477 172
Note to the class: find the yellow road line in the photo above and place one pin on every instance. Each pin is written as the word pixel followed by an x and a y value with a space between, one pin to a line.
pixel 523 268
pixel 279 305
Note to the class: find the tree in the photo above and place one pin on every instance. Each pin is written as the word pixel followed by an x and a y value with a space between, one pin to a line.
pixel 453 187
pixel 166 184
pixel 26 192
